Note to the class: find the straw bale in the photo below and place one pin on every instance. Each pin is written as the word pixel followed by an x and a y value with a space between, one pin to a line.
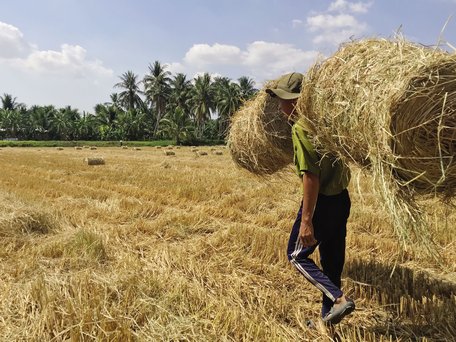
pixel 387 102
pixel 158 147
pixel 59 148
pixel 169 153
pixel 194 150
pixel 170 147
pixel 390 107
pixel 94 161
pixel 201 153
pixel 93 147
pixel 78 148
pixel 124 147
pixel 137 148
pixel 260 137
pixel 217 152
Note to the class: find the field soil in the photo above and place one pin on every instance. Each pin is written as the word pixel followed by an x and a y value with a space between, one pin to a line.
pixel 187 247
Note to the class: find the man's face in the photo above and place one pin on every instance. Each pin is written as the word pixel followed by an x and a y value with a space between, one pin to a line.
pixel 288 107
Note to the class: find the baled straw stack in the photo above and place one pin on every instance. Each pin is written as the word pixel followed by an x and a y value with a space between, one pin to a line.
pixel 389 106
pixel 260 137
pixel 95 161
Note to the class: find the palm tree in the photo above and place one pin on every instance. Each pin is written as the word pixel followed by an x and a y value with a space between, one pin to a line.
pixel 177 125
pixel 40 121
pixel 157 89
pixel 9 102
pixel 202 101
pixel 129 97
pixel 181 92
pixel 228 101
pixel 247 87
pixel 11 122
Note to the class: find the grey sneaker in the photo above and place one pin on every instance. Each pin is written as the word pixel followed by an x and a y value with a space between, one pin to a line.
pixel 334 316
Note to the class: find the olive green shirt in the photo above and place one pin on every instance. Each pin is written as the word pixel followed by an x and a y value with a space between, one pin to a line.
pixel 334 175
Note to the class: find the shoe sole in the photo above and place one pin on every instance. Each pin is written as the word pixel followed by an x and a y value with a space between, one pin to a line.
pixel 347 311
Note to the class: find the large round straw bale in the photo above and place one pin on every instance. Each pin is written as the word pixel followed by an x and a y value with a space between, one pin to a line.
pixel 260 137
pixel 169 153
pixel 388 104
pixel 201 153
pixel 94 161
pixel 78 148
pixel 93 147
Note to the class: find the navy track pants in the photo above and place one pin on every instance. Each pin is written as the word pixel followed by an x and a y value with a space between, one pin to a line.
pixel 330 228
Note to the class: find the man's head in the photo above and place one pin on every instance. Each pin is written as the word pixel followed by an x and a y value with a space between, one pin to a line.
pixel 287 91
pixel 288 87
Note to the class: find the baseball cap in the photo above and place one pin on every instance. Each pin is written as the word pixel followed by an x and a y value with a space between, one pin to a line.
pixel 288 86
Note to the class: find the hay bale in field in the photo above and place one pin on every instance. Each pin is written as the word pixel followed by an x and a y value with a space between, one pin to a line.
pixel 178 147
pixel 201 153
pixel 389 103
pixel 194 150
pixel 86 146
pixel 169 153
pixel 93 148
pixel 59 148
pixel 390 106
pixel 137 148
pixel 260 137
pixel 217 153
pixel 170 147
pixel 78 148
pixel 158 147
pixel 94 161
pixel 124 147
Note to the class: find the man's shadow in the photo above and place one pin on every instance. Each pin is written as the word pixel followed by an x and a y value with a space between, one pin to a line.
pixel 418 304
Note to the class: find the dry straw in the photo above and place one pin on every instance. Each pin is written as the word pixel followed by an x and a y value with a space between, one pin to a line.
pixel 386 105
pixel 94 161
pixel 260 137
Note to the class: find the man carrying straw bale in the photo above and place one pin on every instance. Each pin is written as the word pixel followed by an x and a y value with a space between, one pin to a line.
pixel 325 207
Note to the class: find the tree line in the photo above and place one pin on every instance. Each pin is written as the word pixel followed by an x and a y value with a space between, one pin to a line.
pixel 158 106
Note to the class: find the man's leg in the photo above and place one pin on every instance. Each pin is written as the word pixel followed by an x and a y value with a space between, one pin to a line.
pixel 332 258
pixel 299 257
pixel 332 244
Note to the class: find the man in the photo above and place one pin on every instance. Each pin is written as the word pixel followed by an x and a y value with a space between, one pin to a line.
pixel 325 207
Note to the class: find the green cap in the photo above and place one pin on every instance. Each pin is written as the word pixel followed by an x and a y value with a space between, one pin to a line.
pixel 288 88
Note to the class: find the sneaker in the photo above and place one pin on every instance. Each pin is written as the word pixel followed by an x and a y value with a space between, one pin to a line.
pixel 335 315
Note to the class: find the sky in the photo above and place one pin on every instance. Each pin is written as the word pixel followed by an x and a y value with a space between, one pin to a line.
pixel 72 52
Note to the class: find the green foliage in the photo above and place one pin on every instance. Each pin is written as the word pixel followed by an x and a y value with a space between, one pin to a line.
pixel 175 108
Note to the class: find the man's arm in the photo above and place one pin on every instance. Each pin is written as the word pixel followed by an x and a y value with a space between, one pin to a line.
pixel 311 186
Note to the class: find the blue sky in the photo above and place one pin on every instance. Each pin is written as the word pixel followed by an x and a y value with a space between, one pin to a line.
pixel 72 52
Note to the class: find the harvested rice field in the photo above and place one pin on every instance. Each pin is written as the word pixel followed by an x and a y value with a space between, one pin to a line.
pixel 187 247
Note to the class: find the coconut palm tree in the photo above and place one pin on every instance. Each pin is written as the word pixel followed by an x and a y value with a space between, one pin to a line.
pixel 157 89
pixel 247 87
pixel 202 101
pixel 9 102
pixel 181 92
pixel 129 97
pixel 229 100
pixel 177 125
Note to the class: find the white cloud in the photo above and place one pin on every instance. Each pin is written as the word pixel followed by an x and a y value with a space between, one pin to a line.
pixel 70 61
pixel 61 77
pixel 334 29
pixel 204 54
pixel 12 43
pixel 346 6
pixel 260 60
pixel 328 22
pixel 296 23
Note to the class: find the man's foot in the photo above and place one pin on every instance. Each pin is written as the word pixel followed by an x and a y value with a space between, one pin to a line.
pixel 341 308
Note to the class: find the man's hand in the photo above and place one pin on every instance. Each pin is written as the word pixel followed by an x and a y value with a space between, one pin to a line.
pixel 306 234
